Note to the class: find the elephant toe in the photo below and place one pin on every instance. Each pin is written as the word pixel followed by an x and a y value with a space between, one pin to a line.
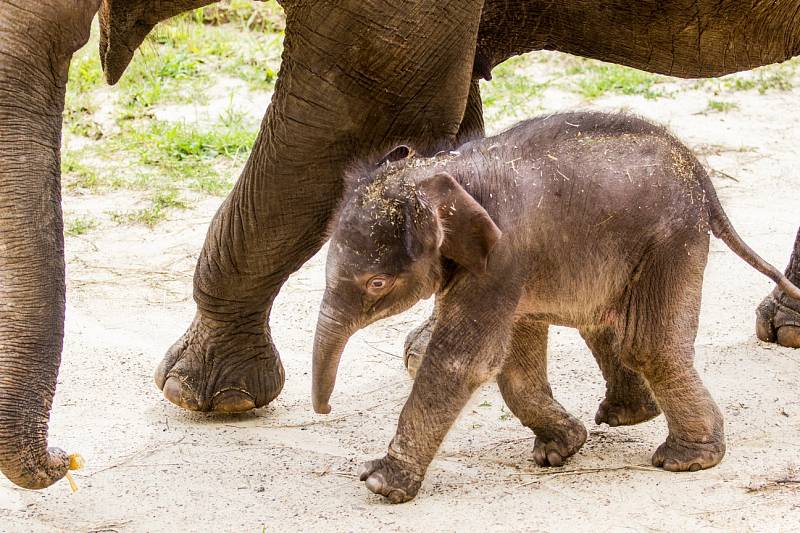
pixel 180 394
pixel 232 401
pixel 765 331
pixel 789 336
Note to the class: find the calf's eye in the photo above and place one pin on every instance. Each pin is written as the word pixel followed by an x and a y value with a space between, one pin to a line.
pixel 379 283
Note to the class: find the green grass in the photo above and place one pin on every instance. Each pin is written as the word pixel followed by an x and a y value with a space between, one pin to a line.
pixel 79 225
pixel 261 17
pixel 85 73
pixel 77 175
pixel 130 149
pixel 720 106
pixel 594 79
pixel 765 79
pixel 514 93
pixel 511 93
pixel 161 203
pixel 164 143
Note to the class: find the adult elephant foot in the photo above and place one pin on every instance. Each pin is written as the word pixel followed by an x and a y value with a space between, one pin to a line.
pixel 222 367
pixel 778 316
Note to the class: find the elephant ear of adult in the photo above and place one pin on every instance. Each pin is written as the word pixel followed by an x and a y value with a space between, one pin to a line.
pixel 470 234
pixel 122 30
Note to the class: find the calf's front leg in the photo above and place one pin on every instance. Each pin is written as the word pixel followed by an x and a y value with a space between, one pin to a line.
pixel 467 348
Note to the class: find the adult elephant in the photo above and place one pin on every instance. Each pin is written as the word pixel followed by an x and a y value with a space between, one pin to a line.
pixel 357 75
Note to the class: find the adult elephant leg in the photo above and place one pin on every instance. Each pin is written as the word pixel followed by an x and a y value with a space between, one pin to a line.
pixel 472 127
pixel 778 316
pixel 355 76
pixel 36 43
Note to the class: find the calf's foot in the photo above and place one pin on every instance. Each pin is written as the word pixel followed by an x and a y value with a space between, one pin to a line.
pixel 555 443
pixel 222 367
pixel 626 412
pixel 389 477
pixel 628 399
pixel 676 455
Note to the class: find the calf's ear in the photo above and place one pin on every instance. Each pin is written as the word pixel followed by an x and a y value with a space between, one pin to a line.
pixel 396 154
pixel 469 231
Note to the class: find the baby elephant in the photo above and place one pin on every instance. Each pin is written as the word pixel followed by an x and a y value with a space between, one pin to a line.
pixel 594 221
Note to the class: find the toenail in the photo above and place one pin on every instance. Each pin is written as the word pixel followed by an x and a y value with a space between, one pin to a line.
pixel 375 482
pixel 232 401
pixel 397 496
pixel 554 458
pixel 179 394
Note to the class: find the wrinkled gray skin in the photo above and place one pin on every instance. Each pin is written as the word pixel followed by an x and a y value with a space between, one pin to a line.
pixel 593 221
pixel 356 75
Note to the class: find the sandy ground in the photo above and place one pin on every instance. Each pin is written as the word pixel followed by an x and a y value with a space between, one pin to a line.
pixel 153 467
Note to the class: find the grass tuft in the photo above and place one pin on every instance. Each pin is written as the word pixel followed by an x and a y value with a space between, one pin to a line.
pixel 511 93
pixel 161 203
pixel 79 225
pixel 720 106
pixel 597 79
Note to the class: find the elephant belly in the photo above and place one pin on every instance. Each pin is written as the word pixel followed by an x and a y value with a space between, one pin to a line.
pixel 578 294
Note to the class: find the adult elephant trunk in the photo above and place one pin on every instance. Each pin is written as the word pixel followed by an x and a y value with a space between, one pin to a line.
pixel 36 43
pixel 125 24
pixel 333 332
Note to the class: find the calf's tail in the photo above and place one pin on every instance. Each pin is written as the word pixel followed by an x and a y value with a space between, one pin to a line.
pixel 722 229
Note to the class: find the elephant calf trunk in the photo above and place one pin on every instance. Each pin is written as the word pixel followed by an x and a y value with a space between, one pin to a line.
pixel 329 342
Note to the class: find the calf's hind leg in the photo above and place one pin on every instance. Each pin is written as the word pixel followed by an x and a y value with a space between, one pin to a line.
pixel 628 399
pixel 658 342
pixel 526 391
